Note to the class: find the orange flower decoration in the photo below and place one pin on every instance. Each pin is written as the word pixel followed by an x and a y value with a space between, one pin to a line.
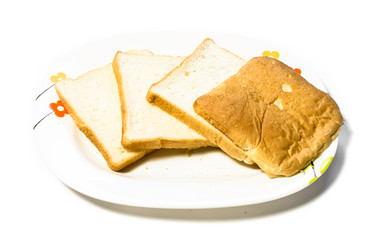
pixel 58 108
pixel 297 70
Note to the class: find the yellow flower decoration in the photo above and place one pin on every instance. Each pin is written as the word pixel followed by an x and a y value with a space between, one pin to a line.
pixel 273 54
pixel 59 76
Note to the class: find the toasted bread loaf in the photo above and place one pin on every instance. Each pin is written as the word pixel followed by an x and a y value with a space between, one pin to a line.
pixel 146 126
pixel 92 101
pixel 274 115
pixel 203 70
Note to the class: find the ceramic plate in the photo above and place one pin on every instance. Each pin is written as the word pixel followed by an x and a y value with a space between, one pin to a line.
pixel 205 178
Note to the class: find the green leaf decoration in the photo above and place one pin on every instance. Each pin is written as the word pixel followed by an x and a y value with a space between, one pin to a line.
pixel 325 164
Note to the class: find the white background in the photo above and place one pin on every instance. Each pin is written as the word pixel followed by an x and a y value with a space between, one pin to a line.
pixel 338 36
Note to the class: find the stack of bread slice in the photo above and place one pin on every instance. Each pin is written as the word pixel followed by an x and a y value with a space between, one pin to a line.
pixel 260 111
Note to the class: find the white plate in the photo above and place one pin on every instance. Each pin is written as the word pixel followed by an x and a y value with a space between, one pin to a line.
pixel 166 178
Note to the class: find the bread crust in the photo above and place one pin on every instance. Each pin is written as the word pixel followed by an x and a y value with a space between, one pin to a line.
pixel 118 78
pixel 157 143
pixel 274 115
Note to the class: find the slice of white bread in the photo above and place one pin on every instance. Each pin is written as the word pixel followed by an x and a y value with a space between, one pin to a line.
pixel 92 101
pixel 199 73
pixel 146 126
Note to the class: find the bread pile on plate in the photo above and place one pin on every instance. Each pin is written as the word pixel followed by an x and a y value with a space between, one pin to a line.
pixel 259 112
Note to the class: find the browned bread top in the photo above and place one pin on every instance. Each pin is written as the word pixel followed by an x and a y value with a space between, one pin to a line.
pixel 273 114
